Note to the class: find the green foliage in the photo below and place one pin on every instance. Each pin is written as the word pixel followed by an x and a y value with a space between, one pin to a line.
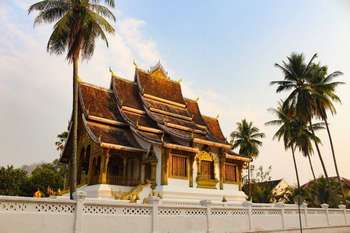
pixel 16 181
pixel 49 175
pixel 261 175
pixel 318 192
pixel 247 138
pixel 13 181
pixel 77 25
pixel 261 186
pixel 61 140
pixel 321 191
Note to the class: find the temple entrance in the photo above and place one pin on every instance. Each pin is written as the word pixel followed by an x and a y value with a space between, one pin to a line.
pixel 206 170
pixel 123 171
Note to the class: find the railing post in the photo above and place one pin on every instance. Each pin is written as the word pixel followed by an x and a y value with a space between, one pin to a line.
pixel 248 205
pixel 304 206
pixel 325 207
pixel 79 196
pixel 343 207
pixel 280 205
pixel 207 203
pixel 154 201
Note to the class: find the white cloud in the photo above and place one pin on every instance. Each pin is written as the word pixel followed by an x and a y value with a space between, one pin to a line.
pixel 35 88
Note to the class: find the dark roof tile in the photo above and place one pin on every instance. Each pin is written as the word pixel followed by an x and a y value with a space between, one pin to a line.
pixel 160 87
pixel 99 102
pixel 214 128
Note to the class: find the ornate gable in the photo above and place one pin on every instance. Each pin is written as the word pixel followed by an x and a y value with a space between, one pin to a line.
pixel 158 71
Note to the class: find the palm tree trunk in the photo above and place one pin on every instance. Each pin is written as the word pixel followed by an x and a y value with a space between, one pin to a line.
pixel 298 182
pixel 312 168
pixel 334 158
pixel 249 184
pixel 319 152
pixel 73 160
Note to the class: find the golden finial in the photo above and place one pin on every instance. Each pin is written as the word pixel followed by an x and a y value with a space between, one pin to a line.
pixel 134 62
pixel 112 72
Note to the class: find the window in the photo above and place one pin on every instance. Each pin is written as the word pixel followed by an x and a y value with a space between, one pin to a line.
pixel 207 169
pixel 230 172
pixel 178 166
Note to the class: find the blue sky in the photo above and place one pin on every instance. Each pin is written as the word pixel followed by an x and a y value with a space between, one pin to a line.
pixel 224 52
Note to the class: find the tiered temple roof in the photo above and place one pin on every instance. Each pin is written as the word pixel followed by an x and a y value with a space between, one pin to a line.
pixel 151 107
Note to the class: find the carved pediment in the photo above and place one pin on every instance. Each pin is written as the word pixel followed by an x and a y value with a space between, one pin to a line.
pixel 203 155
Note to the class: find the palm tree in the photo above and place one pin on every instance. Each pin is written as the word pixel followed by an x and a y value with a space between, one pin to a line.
pixel 324 94
pixel 296 80
pixel 304 139
pixel 61 139
pixel 247 138
pixel 78 23
pixel 287 131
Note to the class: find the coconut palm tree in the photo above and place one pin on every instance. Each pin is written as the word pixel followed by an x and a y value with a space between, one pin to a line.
pixel 304 139
pixel 287 131
pixel 61 139
pixel 296 80
pixel 248 138
pixel 324 96
pixel 78 23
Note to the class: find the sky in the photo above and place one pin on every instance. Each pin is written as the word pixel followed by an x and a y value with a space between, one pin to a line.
pixel 223 51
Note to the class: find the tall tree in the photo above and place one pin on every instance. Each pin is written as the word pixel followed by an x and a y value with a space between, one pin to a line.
pixel 248 138
pixel 287 131
pixel 61 140
pixel 297 81
pixel 13 181
pixel 78 23
pixel 304 139
pixel 323 86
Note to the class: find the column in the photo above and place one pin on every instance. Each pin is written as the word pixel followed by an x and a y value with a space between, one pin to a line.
pixel 189 163
pixel 343 207
pixel 198 167
pixel 124 166
pixel 222 171
pixel 90 171
pixel 79 196
pixel 104 167
pixel 164 168
pixel 154 201
pixel 325 207
pixel 280 205
pixel 142 172
pixel 207 203
pixel 154 173
pixel 248 206
pixel 304 206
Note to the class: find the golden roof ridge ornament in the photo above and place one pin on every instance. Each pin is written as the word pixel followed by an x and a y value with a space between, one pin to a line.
pixel 112 72
pixel 134 62
pixel 156 67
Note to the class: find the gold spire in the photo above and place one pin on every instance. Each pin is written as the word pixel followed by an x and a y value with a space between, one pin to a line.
pixel 112 72
pixel 134 62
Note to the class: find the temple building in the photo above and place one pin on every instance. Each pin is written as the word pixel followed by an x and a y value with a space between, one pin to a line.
pixel 143 136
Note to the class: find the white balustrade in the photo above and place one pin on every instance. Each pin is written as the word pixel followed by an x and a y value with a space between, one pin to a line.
pixel 84 215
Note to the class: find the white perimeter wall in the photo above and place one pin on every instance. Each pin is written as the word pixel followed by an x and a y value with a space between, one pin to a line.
pixel 30 215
